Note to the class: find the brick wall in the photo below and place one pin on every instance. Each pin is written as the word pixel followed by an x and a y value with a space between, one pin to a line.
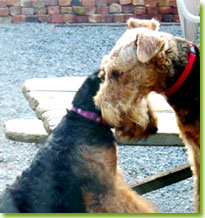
pixel 84 11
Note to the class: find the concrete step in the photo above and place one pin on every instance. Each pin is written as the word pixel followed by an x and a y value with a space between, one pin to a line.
pixel 33 131
pixel 49 98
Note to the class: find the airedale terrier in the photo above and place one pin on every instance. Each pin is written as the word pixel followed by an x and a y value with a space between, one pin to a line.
pixel 145 60
pixel 76 170
pixel 141 123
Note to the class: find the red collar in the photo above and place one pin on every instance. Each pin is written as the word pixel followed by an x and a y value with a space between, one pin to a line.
pixel 184 75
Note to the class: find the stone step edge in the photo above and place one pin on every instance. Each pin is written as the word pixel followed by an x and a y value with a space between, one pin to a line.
pixel 33 131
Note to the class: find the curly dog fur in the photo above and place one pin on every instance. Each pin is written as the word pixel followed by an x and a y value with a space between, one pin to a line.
pixel 76 170
pixel 141 122
pixel 145 60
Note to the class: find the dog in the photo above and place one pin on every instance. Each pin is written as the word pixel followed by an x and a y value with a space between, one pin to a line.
pixel 144 60
pixel 76 171
pixel 141 122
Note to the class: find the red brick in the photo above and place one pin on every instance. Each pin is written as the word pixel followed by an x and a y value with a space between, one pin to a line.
pixel 127 16
pixel 152 11
pixel 26 3
pixel 174 11
pixel 102 18
pixel 31 18
pixel 108 18
pixel 57 18
pixel 138 2
pixel 27 11
pixel 44 18
pixel 76 3
pixel 115 8
pixel 140 10
pixel 105 18
pixel 125 2
pixel 150 3
pixel 112 1
pixel 53 10
pixel 69 18
pixel 40 11
pixel 163 2
pixel 142 16
pixel 102 10
pixel 176 18
pixel 12 2
pixel 101 3
pixel 165 10
pixel 18 18
pixel 95 18
pixel 15 10
pixel 51 2
pixel 64 2
pixel 88 3
pixel 79 10
pixel 128 8
pixel 7 19
pixel 173 3
pixel 119 18
pixel 82 19
pixel 3 3
pixel 4 12
pixel 156 17
pixel 90 10
pixel 167 17
pixel 39 4
pixel 66 10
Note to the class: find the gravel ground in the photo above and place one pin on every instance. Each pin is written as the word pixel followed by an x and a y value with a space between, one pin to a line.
pixel 42 50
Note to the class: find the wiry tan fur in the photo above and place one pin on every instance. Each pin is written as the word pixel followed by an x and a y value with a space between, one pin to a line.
pixel 132 119
pixel 118 196
pixel 145 60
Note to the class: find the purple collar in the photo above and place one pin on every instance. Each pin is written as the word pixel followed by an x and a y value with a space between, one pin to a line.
pixel 90 115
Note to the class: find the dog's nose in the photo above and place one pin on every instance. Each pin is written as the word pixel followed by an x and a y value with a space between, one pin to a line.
pixel 153 130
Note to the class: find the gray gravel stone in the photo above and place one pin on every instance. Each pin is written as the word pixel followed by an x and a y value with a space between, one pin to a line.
pixel 42 50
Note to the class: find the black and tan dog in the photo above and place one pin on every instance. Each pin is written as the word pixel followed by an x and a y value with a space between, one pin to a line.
pixel 76 171
pixel 145 60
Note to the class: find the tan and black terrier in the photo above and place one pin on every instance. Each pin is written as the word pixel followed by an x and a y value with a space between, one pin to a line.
pixel 145 60
pixel 76 171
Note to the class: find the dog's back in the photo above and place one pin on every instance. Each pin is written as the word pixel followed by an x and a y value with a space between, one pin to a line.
pixel 48 185
pixel 55 180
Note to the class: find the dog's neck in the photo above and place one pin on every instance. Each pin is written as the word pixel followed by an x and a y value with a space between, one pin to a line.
pixel 179 82
pixel 182 78
pixel 186 100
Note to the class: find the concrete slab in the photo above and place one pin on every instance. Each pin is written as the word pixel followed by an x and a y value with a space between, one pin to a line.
pixel 50 97
pixel 25 131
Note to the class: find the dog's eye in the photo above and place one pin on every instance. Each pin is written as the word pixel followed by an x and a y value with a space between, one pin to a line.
pixel 115 74
pixel 168 51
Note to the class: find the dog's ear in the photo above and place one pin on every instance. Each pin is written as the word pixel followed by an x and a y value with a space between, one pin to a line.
pixel 150 24
pixel 148 47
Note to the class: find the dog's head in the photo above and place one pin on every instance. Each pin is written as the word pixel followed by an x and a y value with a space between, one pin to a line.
pixel 135 66
pixel 84 96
